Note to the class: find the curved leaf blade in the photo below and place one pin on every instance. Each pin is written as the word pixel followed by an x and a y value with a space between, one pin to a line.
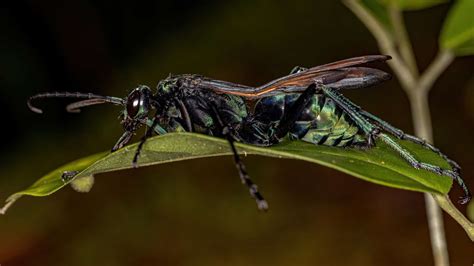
pixel 458 29
pixel 379 165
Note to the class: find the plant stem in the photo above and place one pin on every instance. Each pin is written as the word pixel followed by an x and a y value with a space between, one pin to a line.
pixel 417 89
pixel 442 60
pixel 385 42
pixel 420 111
pixel 406 50
pixel 445 203
pixel 437 234
pixel 7 205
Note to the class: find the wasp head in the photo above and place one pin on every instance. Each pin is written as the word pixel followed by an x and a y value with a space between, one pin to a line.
pixel 137 104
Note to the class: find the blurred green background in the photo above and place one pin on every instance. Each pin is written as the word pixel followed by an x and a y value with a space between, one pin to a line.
pixel 197 212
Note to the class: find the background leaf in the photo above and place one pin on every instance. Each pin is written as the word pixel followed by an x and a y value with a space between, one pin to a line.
pixel 470 211
pixel 458 29
pixel 413 4
pixel 379 8
pixel 379 11
pixel 379 165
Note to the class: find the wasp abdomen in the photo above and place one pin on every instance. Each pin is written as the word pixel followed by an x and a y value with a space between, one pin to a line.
pixel 321 122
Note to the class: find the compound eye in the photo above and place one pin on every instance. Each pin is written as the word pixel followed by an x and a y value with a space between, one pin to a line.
pixel 133 104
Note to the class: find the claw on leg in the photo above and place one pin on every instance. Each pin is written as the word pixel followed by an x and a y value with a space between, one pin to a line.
pixel 368 123
pixel 68 175
pixel 429 167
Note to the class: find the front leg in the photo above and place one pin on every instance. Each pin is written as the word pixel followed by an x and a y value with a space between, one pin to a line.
pixel 123 140
pixel 152 126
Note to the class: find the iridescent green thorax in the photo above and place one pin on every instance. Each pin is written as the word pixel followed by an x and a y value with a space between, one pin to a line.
pixel 167 86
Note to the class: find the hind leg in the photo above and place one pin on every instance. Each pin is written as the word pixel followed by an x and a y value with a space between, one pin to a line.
pixel 401 135
pixel 374 132
pixel 432 168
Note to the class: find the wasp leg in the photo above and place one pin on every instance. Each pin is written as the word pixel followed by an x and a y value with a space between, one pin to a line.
pixel 290 116
pixel 153 126
pixel 402 135
pixel 185 115
pixel 228 132
pixel 432 168
pixel 374 132
pixel 352 110
pixel 123 140
pixel 298 69
pixel 140 147
pixel 68 175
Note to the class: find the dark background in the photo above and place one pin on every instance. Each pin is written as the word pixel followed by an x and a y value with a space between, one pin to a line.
pixel 196 212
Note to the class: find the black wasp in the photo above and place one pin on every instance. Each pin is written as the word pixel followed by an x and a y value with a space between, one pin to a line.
pixel 305 105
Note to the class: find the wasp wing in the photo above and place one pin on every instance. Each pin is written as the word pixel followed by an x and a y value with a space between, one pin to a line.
pixel 223 86
pixel 339 75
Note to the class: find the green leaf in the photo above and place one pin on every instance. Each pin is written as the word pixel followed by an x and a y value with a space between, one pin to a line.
pixel 457 34
pixel 379 165
pixel 380 8
pixel 379 11
pixel 470 211
pixel 412 4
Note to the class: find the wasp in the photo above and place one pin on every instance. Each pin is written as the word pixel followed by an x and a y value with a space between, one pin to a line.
pixel 305 105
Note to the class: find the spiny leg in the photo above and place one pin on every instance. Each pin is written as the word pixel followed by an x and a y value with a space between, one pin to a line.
pixel 432 168
pixel 159 130
pixel 354 112
pixel 148 132
pixel 227 131
pixel 245 178
pixel 402 135
pixel 399 133
pixel 123 140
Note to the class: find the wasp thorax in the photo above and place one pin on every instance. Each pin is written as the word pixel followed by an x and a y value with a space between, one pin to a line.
pixel 138 102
